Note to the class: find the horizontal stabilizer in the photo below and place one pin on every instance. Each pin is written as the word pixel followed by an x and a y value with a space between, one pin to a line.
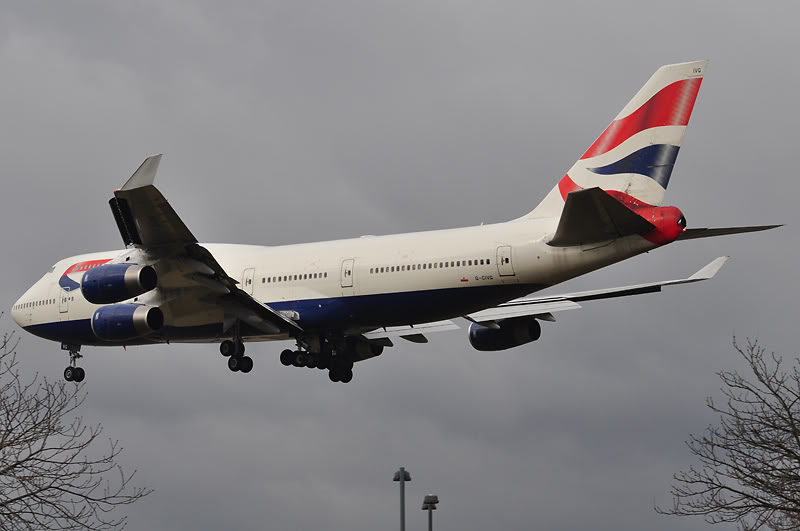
pixel 691 234
pixel 592 216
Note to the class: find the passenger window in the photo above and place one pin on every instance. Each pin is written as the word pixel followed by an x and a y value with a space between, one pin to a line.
pixel 488 261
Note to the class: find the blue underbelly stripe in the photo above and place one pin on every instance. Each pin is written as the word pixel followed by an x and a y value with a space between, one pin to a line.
pixel 335 313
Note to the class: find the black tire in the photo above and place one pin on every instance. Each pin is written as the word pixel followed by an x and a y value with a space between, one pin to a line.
pixel 333 375
pixel 287 357
pixel 346 376
pixel 234 363
pixel 69 374
pixel 226 348
pixel 311 361
pixel 245 364
pixel 299 359
pixel 239 351
pixel 80 374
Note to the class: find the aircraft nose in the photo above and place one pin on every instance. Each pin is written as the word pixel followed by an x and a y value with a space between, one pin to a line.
pixel 15 313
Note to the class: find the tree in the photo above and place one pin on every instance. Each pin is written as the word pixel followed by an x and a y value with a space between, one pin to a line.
pixel 51 474
pixel 749 470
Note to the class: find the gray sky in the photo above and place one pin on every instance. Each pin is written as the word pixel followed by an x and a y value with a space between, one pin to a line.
pixel 299 121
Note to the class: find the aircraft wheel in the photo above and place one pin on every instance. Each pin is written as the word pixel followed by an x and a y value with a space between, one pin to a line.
pixel 287 357
pixel 245 364
pixel 234 363
pixel 239 350
pixel 333 375
pixel 299 359
pixel 80 374
pixel 346 376
pixel 311 361
pixel 69 374
pixel 227 347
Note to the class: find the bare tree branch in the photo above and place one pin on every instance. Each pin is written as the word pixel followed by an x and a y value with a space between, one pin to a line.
pixel 749 470
pixel 51 475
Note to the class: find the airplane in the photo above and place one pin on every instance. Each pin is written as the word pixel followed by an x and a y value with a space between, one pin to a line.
pixel 344 301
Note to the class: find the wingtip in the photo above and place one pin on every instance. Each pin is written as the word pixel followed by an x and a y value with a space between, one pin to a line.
pixel 145 175
pixel 711 269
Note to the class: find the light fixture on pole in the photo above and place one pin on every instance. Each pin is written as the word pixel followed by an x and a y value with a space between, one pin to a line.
pixel 429 504
pixel 402 476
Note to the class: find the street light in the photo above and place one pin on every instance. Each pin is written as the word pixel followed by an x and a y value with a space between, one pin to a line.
pixel 402 476
pixel 429 504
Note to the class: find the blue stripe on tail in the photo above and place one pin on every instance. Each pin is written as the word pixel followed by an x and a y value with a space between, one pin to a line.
pixel 654 161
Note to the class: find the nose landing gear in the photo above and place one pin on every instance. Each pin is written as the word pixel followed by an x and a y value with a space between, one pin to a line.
pixel 73 373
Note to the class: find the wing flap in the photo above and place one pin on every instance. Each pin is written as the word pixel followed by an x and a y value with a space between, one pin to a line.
pixel 411 331
pixel 592 216
pixel 523 307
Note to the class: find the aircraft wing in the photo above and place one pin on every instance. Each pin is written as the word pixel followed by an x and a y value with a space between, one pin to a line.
pixel 147 221
pixel 543 307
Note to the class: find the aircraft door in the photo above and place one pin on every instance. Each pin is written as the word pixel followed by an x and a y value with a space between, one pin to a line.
pixel 347 273
pixel 504 265
pixel 247 280
pixel 63 301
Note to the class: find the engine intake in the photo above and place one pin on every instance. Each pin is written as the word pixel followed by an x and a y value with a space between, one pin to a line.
pixel 512 333
pixel 120 322
pixel 117 282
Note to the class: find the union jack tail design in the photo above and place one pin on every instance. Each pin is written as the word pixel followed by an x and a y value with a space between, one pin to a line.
pixel 636 153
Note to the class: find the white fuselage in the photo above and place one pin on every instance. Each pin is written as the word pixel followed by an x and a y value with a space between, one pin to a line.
pixel 352 285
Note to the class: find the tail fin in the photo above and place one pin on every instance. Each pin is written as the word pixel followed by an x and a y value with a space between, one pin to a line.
pixel 637 151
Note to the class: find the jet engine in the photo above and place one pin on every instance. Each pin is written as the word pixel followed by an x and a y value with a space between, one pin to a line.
pixel 512 333
pixel 120 322
pixel 117 282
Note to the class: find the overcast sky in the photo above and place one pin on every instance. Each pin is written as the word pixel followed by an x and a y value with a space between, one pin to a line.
pixel 296 121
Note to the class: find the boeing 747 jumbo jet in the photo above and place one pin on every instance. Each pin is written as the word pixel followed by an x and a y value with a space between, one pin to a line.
pixel 344 301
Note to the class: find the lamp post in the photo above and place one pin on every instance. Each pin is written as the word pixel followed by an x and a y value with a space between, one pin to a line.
pixel 429 504
pixel 402 476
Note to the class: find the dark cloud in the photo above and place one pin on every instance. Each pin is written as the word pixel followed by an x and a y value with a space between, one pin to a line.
pixel 284 122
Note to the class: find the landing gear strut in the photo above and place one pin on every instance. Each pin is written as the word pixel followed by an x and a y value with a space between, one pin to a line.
pixel 73 373
pixel 234 351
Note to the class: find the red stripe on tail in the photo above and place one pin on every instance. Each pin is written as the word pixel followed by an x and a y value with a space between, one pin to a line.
pixel 672 105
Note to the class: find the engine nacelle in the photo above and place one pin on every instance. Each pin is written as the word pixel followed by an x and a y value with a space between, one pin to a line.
pixel 512 333
pixel 120 322
pixel 117 282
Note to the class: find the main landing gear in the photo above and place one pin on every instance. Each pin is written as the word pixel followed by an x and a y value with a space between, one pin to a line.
pixel 73 373
pixel 234 351
pixel 339 368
